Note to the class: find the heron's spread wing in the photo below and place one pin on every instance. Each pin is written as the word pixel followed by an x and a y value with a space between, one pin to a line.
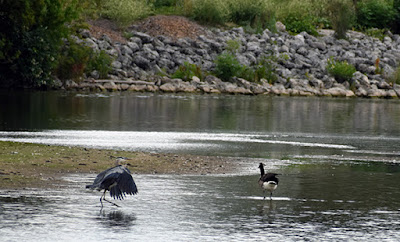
pixel 117 180
pixel 100 178
pixel 124 185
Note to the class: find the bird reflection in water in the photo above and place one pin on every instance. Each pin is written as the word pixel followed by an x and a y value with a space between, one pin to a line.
pixel 117 218
pixel 267 211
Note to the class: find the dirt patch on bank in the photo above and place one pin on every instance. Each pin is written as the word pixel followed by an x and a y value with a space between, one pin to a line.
pixel 174 27
pixel 25 165
pixel 101 27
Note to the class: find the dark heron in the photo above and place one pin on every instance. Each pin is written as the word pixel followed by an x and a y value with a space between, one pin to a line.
pixel 118 180
pixel 268 182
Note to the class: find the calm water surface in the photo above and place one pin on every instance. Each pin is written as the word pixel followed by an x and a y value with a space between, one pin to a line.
pixel 339 161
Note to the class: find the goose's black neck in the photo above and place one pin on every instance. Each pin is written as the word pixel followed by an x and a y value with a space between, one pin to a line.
pixel 262 169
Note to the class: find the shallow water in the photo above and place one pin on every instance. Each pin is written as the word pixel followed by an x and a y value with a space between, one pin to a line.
pixel 316 203
pixel 339 162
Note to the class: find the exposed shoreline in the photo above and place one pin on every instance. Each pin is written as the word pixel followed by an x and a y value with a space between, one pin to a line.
pixel 213 85
pixel 26 165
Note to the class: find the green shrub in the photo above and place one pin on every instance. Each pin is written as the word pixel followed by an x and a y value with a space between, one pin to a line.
pixel 376 33
pixel 264 69
pixel 323 22
pixel 91 9
pixel 375 14
pixel 378 69
pixel 301 7
pixel 265 21
pixel 268 20
pixel 125 11
pixel 101 62
pixel 396 18
pixel 395 78
pixel 340 70
pixel 73 61
pixel 76 60
pixel 246 11
pixel 164 3
pixel 232 46
pixel 255 15
pixel 169 7
pixel 301 15
pixel 341 14
pixel 297 24
pixel 187 71
pixel 227 66
pixel 210 11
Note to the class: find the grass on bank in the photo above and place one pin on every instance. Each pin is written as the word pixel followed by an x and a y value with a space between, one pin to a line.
pixel 297 15
pixel 26 165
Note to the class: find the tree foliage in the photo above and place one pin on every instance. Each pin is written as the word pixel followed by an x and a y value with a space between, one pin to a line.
pixel 375 13
pixel 31 35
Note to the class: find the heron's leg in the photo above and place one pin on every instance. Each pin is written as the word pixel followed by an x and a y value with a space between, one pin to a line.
pixel 103 198
pixel 110 202
pixel 270 196
pixel 104 195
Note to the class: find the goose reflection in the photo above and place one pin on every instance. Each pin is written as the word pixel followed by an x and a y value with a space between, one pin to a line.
pixel 267 207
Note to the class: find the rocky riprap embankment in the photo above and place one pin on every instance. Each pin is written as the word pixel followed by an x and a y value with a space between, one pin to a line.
pixel 301 70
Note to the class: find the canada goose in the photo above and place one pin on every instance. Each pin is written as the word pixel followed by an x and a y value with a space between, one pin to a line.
pixel 268 182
